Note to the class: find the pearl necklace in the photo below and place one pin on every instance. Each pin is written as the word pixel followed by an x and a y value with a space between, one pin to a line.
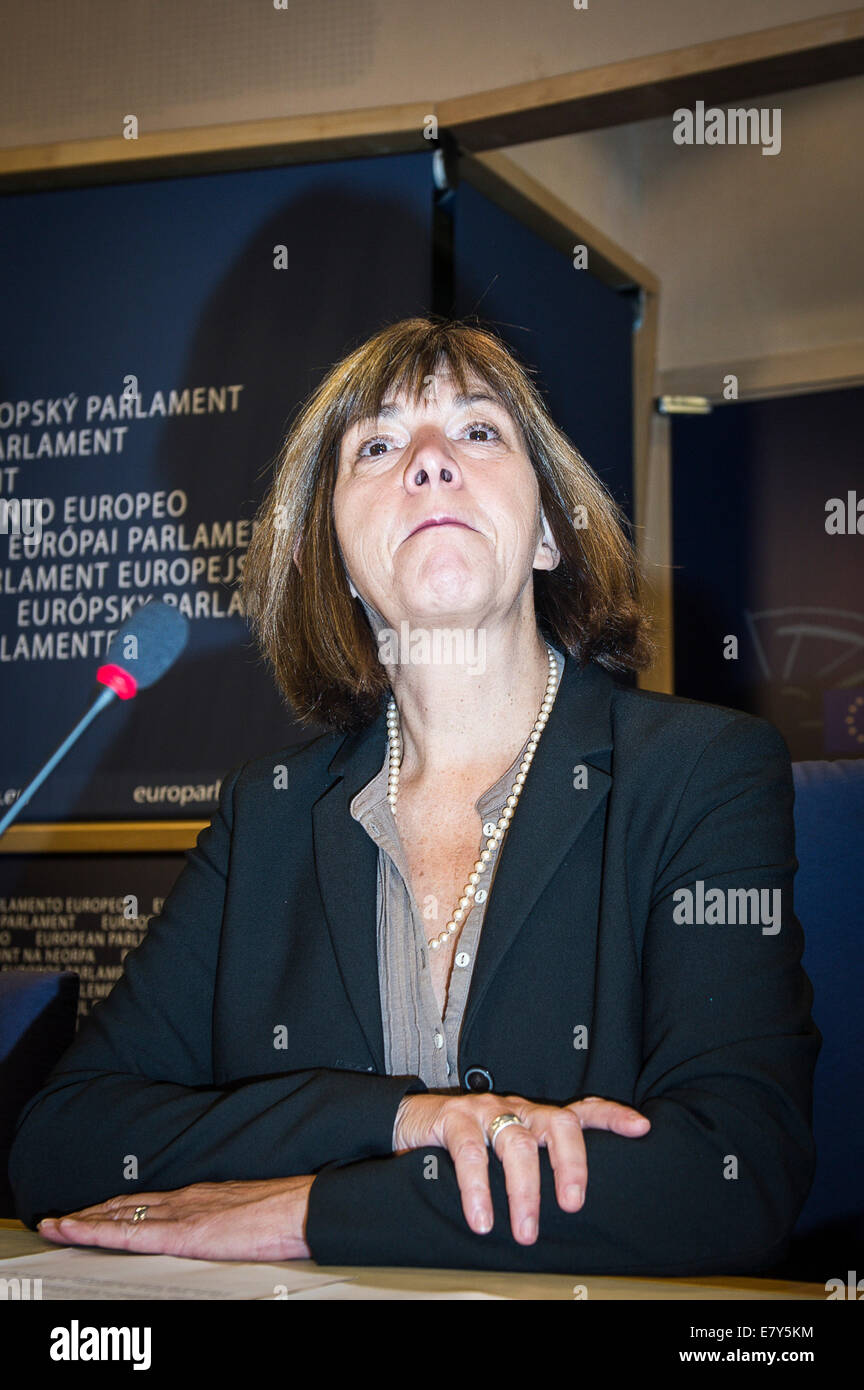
pixel 395 743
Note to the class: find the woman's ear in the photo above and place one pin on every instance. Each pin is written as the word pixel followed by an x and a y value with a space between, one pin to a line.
pixel 547 550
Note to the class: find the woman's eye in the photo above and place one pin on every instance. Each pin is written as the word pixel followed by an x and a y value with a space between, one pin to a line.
pixel 372 444
pixel 482 426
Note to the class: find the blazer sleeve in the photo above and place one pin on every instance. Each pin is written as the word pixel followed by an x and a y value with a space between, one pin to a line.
pixel 131 1106
pixel 728 1054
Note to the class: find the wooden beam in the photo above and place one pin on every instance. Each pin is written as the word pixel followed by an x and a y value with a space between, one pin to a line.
pixel 640 89
pixel 830 368
pixel 101 837
pixel 216 148
pixel 652 500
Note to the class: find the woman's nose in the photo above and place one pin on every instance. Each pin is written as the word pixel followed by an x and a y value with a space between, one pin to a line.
pixel 421 475
pixel 430 463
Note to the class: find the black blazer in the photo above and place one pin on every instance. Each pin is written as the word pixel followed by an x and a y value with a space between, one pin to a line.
pixel 244 1038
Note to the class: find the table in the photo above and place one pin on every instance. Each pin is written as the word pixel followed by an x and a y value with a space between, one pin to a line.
pixel 17 1240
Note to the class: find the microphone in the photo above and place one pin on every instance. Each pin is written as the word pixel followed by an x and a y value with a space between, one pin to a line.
pixel 146 646
pixel 142 650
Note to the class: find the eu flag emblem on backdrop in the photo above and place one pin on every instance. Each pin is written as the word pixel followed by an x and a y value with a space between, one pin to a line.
pixel 844 720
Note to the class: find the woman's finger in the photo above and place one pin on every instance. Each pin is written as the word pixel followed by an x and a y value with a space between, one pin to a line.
pixel 596 1113
pixel 147 1237
pixel 466 1144
pixel 563 1135
pixel 518 1151
pixel 116 1207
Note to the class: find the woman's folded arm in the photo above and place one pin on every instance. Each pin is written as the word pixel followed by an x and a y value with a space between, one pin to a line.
pixel 132 1105
pixel 729 1050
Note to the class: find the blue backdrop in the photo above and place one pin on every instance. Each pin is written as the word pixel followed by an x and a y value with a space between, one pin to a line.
pixel 753 560
pixel 173 281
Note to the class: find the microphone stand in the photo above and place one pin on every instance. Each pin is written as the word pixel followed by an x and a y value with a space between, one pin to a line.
pixel 98 705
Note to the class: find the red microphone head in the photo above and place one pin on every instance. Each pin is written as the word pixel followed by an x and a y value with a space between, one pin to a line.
pixel 120 681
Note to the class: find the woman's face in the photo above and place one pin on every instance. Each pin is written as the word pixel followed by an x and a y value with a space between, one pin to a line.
pixel 445 456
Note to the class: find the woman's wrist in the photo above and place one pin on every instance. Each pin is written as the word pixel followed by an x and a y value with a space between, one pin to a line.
pixel 397 1123
pixel 408 1129
pixel 308 1181
pixel 297 1192
pixel 413 1125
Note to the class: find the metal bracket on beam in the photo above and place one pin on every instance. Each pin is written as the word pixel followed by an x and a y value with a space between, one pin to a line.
pixel 683 405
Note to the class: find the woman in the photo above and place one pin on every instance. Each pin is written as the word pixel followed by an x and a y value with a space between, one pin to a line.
pixel 500 971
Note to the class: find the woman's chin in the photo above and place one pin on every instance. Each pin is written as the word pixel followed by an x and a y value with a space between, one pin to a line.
pixel 448 589
pixel 445 606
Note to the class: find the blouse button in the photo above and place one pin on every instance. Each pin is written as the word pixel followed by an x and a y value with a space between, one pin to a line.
pixel 478 1079
pixel 462 958
pixel 439 1040
pixel 489 828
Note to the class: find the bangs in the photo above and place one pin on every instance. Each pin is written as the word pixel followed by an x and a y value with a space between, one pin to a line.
pixel 377 373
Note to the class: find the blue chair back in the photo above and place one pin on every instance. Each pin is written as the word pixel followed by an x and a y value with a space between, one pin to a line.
pixel 829 903
pixel 38 1011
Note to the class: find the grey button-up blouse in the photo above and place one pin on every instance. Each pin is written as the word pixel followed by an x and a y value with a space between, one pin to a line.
pixel 417 1040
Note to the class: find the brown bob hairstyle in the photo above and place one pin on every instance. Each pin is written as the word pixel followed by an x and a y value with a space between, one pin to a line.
pixel 317 637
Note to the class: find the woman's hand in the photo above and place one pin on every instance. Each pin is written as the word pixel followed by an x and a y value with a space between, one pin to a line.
pixel 458 1124
pixel 262 1220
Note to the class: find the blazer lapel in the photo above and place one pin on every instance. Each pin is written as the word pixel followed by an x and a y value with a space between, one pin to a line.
pixel 550 817
pixel 551 814
pixel 346 865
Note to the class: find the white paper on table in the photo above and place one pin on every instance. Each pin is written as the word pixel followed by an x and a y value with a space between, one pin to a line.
pixel 365 1292
pixel 100 1274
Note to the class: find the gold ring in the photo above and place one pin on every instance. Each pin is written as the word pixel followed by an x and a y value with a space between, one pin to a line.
pixel 500 1122
pixel 139 1213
